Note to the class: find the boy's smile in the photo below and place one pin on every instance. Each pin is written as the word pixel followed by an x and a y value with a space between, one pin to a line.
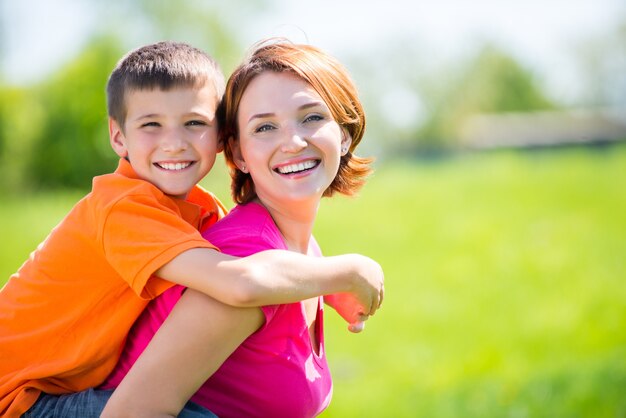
pixel 170 136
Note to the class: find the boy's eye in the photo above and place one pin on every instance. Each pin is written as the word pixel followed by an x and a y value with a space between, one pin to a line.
pixel 196 123
pixel 150 124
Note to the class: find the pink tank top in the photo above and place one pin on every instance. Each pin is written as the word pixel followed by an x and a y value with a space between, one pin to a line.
pixel 275 372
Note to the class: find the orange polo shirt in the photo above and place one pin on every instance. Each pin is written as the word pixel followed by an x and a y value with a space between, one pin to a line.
pixel 65 314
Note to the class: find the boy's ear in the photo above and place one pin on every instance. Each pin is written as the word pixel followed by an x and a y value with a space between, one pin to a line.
pixel 235 149
pixel 117 138
pixel 346 141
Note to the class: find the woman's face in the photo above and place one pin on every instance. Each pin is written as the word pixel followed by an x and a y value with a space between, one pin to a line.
pixel 288 140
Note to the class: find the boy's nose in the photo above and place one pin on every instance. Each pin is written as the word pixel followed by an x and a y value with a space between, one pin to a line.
pixel 174 141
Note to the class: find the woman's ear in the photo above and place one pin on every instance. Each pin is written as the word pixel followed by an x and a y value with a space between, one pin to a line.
pixel 117 138
pixel 235 150
pixel 346 141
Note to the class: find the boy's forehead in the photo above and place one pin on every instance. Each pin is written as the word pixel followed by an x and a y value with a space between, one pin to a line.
pixel 173 98
pixel 204 87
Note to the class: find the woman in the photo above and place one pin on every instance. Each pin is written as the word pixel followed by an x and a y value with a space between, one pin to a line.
pixel 290 121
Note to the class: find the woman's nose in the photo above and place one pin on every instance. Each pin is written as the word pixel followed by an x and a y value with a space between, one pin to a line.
pixel 295 141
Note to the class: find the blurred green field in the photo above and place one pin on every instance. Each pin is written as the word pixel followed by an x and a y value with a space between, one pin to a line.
pixel 504 277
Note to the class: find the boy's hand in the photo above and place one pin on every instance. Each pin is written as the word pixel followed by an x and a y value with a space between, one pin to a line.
pixel 356 327
pixel 349 308
pixel 365 297
pixel 368 286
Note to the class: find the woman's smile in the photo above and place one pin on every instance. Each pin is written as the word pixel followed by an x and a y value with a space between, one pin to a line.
pixel 289 142
pixel 302 167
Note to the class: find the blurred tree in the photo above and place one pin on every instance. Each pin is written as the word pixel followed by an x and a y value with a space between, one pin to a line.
pixel 71 145
pixel 602 62
pixel 492 82
pixel 211 25
pixel 417 99
pixel 390 79
pixel 21 117
pixel 3 103
pixel 67 142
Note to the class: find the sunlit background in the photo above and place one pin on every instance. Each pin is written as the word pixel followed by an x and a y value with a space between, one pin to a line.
pixel 498 206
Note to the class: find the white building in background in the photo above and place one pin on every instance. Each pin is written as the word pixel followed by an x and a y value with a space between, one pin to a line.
pixel 535 129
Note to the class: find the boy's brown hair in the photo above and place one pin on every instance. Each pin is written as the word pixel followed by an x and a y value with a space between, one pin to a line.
pixel 162 65
pixel 331 81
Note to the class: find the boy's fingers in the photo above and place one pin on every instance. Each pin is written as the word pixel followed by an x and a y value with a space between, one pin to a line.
pixel 377 303
pixel 374 305
pixel 356 327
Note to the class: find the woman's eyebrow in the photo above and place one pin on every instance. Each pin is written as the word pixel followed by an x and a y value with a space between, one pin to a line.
pixel 308 105
pixel 312 104
pixel 260 116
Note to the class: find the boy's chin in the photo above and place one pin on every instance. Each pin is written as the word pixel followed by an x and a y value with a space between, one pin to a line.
pixel 177 193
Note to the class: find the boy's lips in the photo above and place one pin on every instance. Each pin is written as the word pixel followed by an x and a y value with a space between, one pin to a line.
pixel 174 165
pixel 296 167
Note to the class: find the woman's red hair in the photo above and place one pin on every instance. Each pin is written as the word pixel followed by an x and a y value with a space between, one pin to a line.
pixel 331 81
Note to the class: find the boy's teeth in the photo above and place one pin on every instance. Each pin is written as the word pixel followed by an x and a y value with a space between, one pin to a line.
pixel 174 166
pixel 293 168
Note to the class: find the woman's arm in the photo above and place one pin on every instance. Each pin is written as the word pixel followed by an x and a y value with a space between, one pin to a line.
pixel 275 276
pixel 195 339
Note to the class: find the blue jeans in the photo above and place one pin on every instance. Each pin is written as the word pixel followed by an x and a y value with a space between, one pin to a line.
pixel 89 404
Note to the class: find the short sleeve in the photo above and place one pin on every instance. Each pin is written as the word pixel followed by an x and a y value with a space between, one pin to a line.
pixel 140 234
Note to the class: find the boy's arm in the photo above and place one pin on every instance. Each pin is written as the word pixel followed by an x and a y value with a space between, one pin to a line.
pixel 186 350
pixel 278 276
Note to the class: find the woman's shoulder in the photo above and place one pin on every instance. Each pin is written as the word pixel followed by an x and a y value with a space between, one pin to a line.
pixel 248 219
pixel 246 229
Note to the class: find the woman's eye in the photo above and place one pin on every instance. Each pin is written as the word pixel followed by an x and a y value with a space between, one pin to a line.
pixel 264 128
pixel 313 118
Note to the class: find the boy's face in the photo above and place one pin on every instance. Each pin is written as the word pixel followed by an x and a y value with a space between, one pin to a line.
pixel 169 137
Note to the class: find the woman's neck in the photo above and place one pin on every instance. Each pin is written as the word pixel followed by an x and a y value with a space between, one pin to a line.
pixel 294 221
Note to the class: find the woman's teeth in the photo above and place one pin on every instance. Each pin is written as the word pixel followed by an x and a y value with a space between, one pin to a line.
pixel 294 168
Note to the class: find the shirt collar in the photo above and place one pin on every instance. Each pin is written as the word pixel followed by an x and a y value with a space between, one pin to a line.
pixel 124 168
pixel 200 209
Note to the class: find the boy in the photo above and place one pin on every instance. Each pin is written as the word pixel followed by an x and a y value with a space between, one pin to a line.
pixel 65 314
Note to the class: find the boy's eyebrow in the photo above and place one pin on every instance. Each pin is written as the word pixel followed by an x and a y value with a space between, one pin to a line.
pixel 303 107
pixel 189 114
pixel 147 116
pixel 208 115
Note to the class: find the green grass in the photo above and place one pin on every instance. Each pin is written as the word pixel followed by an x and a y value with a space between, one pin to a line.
pixel 505 288
pixel 504 278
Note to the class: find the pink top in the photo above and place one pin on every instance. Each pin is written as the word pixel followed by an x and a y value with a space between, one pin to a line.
pixel 275 372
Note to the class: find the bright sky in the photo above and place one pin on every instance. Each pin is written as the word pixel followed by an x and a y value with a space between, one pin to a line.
pixel 42 34
pixel 540 26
